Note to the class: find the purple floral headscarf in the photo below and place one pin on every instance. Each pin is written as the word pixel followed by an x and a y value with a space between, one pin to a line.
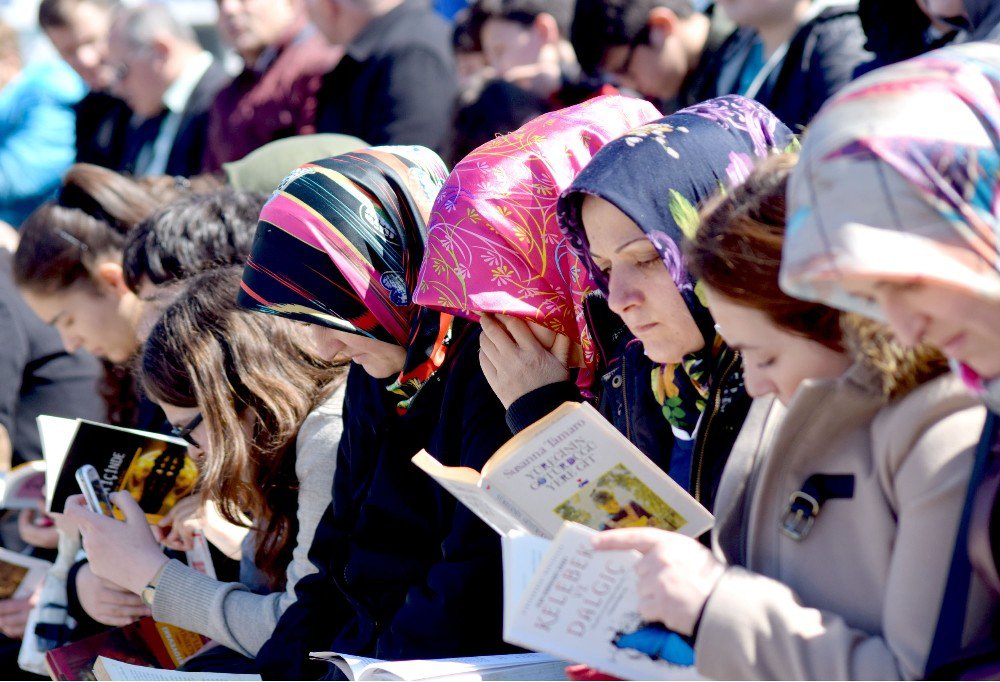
pixel 657 175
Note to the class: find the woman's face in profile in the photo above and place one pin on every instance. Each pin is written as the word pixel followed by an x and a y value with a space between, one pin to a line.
pixel 775 361
pixel 640 289
pixel 959 323
pixel 379 359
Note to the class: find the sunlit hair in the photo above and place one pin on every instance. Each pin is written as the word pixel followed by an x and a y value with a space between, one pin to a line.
pixel 236 365
pixel 736 252
pixel 63 241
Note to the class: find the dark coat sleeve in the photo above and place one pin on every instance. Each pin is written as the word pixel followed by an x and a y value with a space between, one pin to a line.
pixel 457 609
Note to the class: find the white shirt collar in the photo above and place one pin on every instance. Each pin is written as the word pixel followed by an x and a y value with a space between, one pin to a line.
pixel 176 97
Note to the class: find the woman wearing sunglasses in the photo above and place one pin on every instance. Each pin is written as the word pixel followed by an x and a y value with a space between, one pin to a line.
pixel 261 413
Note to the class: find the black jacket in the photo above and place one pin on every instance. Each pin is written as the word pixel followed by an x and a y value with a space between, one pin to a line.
pixel 404 570
pixel 822 57
pixel 102 122
pixel 188 149
pixel 396 83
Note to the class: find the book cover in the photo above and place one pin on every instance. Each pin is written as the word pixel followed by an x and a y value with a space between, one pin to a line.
pixel 152 467
pixel 571 465
pixel 581 605
pixel 23 487
pixel 144 642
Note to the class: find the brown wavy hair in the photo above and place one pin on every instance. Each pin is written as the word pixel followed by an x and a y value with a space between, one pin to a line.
pixel 208 353
pixel 737 252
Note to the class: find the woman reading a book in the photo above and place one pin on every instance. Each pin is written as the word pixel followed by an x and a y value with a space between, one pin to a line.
pixel 906 229
pixel 839 504
pixel 496 252
pixel 404 570
pixel 625 214
pixel 261 412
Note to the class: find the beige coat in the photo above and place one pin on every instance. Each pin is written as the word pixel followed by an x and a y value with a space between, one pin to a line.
pixel 858 597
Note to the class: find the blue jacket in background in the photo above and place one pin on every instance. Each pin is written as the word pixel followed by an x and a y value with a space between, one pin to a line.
pixel 37 136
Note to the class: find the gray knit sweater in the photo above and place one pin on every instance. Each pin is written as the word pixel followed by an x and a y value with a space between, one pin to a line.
pixel 228 612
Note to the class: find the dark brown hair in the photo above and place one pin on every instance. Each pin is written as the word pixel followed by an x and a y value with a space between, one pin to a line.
pixel 63 241
pixel 737 252
pixel 207 352
pixel 56 13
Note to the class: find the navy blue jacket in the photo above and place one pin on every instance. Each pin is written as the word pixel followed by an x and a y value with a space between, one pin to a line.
pixel 404 570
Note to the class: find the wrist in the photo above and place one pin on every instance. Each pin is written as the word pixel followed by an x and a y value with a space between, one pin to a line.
pixel 154 569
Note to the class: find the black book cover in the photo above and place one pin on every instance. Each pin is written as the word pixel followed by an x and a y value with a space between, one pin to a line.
pixel 154 468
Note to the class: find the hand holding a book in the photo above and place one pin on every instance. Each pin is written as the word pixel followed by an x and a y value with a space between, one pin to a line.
pixel 516 362
pixel 105 602
pixel 676 574
pixel 123 552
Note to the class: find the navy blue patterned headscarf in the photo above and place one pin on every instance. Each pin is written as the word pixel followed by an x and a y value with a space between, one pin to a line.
pixel 657 175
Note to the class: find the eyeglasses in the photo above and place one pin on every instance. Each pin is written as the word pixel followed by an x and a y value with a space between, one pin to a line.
pixel 641 38
pixel 185 431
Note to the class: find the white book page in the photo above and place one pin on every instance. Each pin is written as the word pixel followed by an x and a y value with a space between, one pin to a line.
pixel 581 603
pixel 351 666
pixel 57 435
pixel 522 555
pixel 469 493
pixel 576 467
pixel 470 668
pixel 117 670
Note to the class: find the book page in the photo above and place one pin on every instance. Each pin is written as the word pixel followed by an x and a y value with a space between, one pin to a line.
pixel 522 554
pixel 23 487
pixel 20 574
pixel 110 669
pixel 463 483
pixel 583 606
pixel 56 434
pixel 575 466
pixel 502 667
pixel 350 666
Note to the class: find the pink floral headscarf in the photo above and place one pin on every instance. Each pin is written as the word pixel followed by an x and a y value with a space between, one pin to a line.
pixel 493 242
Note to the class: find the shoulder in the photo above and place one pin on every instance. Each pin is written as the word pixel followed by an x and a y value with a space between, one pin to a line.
pixel 834 25
pixel 321 430
pixel 417 30
pixel 937 421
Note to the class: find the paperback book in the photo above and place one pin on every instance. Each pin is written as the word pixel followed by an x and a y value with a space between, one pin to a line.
pixel 571 465
pixel 155 469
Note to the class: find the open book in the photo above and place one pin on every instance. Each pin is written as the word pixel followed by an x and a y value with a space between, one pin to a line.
pixel 566 599
pixel 20 574
pixel 505 667
pixel 153 468
pixel 110 669
pixel 571 465
pixel 23 487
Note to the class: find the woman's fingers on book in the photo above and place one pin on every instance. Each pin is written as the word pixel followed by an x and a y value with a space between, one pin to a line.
pixel 640 539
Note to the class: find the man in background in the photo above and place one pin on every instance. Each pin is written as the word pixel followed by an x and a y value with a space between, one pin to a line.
pixel 396 82
pixel 78 30
pixel 285 59
pixel 660 49
pixel 169 81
